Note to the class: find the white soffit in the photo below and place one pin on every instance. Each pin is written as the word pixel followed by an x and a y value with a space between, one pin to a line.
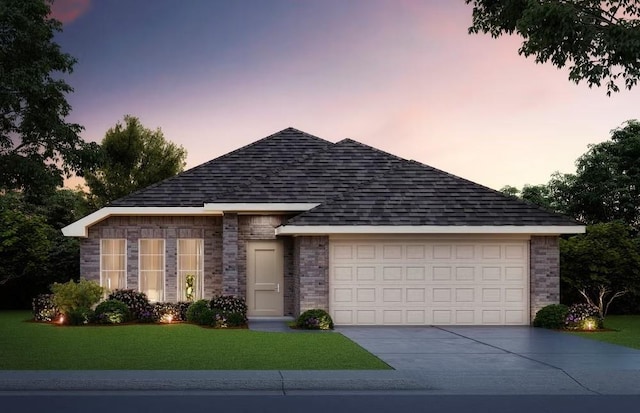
pixel 428 229
pixel 80 227
pixel 259 207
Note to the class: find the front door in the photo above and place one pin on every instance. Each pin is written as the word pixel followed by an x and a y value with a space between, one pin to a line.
pixel 265 278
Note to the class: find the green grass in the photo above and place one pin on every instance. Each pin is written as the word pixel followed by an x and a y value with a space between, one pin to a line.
pixel 36 346
pixel 626 331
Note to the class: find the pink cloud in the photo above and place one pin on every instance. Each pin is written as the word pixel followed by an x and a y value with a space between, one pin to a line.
pixel 67 11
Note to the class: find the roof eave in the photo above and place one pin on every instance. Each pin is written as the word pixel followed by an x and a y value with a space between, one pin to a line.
pixel 429 229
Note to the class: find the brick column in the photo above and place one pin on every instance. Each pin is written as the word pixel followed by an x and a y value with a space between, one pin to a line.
pixel 230 254
pixel 311 262
pixel 544 272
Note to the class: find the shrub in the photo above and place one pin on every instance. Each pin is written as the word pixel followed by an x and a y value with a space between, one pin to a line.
pixel 183 306
pixel 167 312
pixel 551 316
pixel 232 311
pixel 137 303
pixel 44 309
pixel 315 319
pixel 233 320
pixel 111 312
pixel 583 317
pixel 74 296
pixel 78 316
pixel 229 304
pixel 200 313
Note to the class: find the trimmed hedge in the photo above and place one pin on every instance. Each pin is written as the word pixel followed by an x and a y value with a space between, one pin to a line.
pixel 315 319
pixel 551 316
pixel 111 312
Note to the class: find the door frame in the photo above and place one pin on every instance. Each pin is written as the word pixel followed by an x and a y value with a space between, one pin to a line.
pixel 278 288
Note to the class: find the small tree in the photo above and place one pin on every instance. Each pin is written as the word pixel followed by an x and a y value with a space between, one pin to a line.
pixel 601 265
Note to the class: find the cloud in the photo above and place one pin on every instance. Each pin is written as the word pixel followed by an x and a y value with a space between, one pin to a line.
pixel 67 11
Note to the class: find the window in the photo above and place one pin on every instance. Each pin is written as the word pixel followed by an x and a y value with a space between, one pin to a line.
pixel 151 257
pixel 113 264
pixel 190 274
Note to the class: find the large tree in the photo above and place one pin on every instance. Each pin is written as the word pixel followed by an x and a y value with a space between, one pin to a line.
pixel 606 186
pixel 133 157
pixel 599 40
pixel 38 148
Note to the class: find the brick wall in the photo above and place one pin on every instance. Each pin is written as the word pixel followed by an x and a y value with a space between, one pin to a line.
pixel 311 273
pixel 544 272
pixel 168 228
pixel 230 284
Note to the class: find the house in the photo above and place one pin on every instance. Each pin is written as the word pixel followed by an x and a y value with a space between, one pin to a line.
pixel 293 222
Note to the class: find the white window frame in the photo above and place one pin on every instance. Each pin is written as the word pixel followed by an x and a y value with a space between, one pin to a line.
pixel 164 266
pixel 200 277
pixel 124 270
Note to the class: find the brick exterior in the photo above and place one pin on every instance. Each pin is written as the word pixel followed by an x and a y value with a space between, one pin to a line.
pixel 230 284
pixel 544 272
pixel 225 249
pixel 311 273
pixel 168 228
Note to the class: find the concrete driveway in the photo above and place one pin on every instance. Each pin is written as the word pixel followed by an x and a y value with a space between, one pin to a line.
pixel 524 358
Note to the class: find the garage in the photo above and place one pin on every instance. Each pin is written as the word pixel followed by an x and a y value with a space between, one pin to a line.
pixel 429 281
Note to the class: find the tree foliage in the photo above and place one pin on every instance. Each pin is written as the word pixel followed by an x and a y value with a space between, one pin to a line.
pixel 598 40
pixel 33 251
pixel 605 187
pixel 37 146
pixel 602 263
pixel 133 157
pixel 607 183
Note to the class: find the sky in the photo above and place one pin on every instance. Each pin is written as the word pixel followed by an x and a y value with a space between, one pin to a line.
pixel 403 76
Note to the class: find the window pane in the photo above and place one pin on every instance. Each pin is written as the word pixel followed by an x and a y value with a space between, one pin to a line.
pixel 113 263
pixel 151 260
pixel 190 271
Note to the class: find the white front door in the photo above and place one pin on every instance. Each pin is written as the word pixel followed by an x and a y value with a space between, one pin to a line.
pixel 265 278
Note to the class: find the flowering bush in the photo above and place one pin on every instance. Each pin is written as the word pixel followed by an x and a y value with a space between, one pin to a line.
pixel 229 304
pixel 167 312
pixel 583 317
pixel 44 309
pixel 315 319
pixel 233 310
pixel 136 302
pixel 111 312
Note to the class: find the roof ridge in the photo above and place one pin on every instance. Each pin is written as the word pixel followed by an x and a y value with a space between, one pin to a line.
pixel 349 140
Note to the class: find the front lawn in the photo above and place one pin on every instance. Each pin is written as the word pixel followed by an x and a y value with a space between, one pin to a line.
pixel 35 346
pixel 627 331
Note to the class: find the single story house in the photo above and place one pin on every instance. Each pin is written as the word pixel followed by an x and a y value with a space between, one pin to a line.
pixel 293 222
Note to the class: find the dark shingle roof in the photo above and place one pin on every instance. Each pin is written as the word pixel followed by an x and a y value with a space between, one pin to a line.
pixel 416 194
pixel 354 183
pixel 204 183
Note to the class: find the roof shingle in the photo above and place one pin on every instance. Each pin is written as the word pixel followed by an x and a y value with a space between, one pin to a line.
pixel 354 184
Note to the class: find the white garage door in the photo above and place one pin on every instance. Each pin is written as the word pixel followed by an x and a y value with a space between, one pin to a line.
pixel 429 282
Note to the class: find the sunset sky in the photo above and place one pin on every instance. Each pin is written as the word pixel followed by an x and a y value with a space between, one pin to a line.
pixel 400 75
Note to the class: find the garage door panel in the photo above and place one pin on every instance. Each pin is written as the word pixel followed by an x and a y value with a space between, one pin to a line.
pixel 394 282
